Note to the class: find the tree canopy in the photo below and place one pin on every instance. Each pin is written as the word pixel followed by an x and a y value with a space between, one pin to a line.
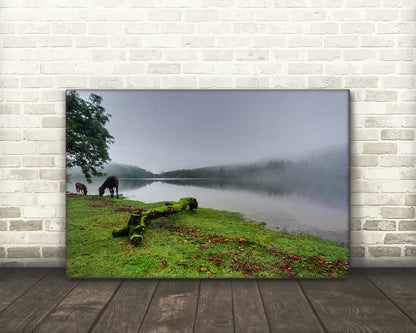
pixel 87 139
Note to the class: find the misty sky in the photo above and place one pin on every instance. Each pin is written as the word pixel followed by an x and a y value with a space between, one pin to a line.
pixel 163 130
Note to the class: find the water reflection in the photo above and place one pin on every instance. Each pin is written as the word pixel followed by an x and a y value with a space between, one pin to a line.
pixel 281 209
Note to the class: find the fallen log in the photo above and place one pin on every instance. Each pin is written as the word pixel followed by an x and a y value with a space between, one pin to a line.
pixel 140 220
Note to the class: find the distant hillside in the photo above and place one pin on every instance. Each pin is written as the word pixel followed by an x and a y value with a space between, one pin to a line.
pixel 119 170
pixel 325 174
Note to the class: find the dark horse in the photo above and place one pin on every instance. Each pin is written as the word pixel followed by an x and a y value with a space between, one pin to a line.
pixel 109 183
pixel 81 188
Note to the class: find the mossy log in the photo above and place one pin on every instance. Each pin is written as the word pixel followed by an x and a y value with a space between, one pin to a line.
pixel 140 220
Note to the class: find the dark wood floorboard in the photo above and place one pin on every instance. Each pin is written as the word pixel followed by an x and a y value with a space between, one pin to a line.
pixel 287 308
pixel 127 309
pixel 44 300
pixel 16 282
pixel 173 307
pixel 399 286
pixel 355 305
pixel 249 314
pixel 79 310
pixel 32 307
pixel 215 307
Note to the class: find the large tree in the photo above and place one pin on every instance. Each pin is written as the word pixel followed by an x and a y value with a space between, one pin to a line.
pixel 87 139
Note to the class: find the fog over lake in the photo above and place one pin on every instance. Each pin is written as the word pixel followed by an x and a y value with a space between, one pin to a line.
pixel 275 156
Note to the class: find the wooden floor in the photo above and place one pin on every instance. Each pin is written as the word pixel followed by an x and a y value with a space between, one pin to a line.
pixel 44 300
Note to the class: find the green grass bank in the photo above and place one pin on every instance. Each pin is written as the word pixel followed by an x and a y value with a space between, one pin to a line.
pixel 202 243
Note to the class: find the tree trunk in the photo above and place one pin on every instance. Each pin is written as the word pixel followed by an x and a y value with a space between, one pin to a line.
pixel 140 220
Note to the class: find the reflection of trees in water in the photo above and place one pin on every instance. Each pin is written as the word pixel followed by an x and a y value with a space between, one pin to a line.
pixel 311 191
pixel 134 184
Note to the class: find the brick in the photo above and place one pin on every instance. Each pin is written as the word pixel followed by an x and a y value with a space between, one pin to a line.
pixel 324 55
pixel 269 42
pixel 320 82
pixel 23 252
pixel 358 28
pixel 144 55
pixel 234 41
pixel 359 55
pixel 305 41
pixel 384 199
pixel 357 251
pixel 39 109
pixel 342 68
pixel 287 55
pixel 252 55
pixel 9 161
pixel 198 68
pixel 382 121
pixel 38 161
pixel 392 54
pixel 410 199
pixel 355 225
pixel 384 251
pixel 380 225
pixel 52 174
pixel 22 174
pixel 399 186
pixel 178 28
pixel 55 225
pixel 212 28
pixel 9 212
pixel 252 82
pixel 361 82
pixel 380 148
pixel 196 15
pixel 198 41
pixel 397 161
pixel 90 41
pixel 305 68
pixel 215 82
pixel 163 68
pixel 40 186
pixel 178 82
pixel 400 238
pixel 10 135
pixel 407 226
pixel 249 28
pixel 397 134
pixel 31 225
pixel 53 252
pixel 164 15
pixel 109 55
pixel 410 251
pixel 218 55
pixel 285 28
pixel 12 148
pixel 129 68
pixel 341 41
pixel 42 135
pixel 397 212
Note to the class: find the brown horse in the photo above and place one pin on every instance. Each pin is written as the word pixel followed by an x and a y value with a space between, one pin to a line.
pixel 81 188
pixel 110 183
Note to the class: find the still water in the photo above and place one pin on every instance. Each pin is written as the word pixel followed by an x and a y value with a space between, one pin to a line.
pixel 292 212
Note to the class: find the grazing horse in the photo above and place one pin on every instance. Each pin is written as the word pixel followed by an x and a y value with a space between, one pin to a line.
pixel 81 188
pixel 109 183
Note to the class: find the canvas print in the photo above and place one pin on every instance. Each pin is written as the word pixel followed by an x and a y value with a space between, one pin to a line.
pixel 207 183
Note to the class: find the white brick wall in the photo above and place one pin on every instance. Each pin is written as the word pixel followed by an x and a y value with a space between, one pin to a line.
pixel 50 46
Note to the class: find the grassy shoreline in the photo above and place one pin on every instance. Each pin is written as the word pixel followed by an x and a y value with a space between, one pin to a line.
pixel 204 243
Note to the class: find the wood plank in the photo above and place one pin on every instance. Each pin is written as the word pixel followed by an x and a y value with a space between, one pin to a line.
pixel 215 307
pixel 127 309
pixel 287 308
pixel 249 315
pixel 78 311
pixel 354 305
pixel 173 307
pixel 28 311
pixel 397 284
pixel 17 282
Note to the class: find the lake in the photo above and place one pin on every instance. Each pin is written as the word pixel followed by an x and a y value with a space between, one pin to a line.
pixel 325 217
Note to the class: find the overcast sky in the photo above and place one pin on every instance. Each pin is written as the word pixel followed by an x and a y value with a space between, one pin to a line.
pixel 163 130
